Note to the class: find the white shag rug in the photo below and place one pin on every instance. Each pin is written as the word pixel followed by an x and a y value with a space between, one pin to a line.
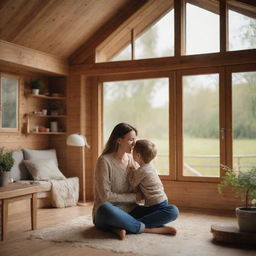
pixel 81 232
pixel 192 233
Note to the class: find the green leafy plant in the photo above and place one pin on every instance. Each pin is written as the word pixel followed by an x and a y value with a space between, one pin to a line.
pixel 6 160
pixel 242 182
pixel 36 84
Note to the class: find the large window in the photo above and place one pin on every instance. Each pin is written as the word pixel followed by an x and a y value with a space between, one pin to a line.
pixel 9 103
pixel 144 104
pixel 244 119
pixel 201 146
pixel 202 30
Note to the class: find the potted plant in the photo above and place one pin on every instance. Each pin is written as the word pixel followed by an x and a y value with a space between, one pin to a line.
pixel 6 163
pixel 243 183
pixel 36 85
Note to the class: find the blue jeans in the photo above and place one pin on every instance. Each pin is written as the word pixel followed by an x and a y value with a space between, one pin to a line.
pixel 109 215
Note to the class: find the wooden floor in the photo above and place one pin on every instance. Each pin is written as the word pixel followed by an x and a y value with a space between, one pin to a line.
pixel 19 228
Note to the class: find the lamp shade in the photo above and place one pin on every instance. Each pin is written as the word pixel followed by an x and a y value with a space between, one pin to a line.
pixel 77 140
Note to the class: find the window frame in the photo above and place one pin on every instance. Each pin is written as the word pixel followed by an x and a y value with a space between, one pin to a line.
pixel 229 71
pixel 17 128
pixel 179 121
pixel 172 111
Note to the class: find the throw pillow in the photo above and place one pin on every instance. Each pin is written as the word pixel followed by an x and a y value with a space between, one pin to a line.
pixel 19 170
pixel 45 169
pixel 32 154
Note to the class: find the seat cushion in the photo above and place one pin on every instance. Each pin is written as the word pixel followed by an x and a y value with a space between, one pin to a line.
pixel 19 170
pixel 32 154
pixel 44 185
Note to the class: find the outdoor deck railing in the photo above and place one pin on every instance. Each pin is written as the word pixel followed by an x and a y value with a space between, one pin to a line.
pixel 237 162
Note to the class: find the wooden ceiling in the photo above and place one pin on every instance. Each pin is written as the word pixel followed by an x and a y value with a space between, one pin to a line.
pixel 57 27
pixel 73 29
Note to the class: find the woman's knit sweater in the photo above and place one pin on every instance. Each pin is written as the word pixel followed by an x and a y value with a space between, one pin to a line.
pixel 112 185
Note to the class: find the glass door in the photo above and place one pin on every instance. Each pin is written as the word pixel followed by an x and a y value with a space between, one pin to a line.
pixel 244 120
pixel 201 132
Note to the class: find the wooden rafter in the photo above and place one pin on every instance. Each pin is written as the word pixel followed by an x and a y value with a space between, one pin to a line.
pixel 168 63
pixel 247 8
pixel 16 55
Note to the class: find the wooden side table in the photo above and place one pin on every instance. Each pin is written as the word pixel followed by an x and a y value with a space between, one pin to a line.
pixel 14 192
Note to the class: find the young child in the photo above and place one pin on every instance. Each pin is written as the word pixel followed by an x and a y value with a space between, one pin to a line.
pixel 145 177
pixel 147 180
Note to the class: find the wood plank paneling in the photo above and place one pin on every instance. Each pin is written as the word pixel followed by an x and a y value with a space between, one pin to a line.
pixel 84 51
pixel 54 26
pixel 79 107
pixel 200 195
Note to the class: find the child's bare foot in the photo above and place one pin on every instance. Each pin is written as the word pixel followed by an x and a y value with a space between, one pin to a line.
pixel 120 232
pixel 161 230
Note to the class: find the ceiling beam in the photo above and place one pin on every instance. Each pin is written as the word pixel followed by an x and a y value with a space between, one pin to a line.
pixel 166 64
pixel 247 8
pixel 29 59
pixel 84 51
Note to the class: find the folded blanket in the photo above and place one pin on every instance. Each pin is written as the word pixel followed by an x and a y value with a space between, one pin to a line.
pixel 65 192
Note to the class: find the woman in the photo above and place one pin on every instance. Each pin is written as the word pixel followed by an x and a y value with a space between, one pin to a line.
pixel 115 205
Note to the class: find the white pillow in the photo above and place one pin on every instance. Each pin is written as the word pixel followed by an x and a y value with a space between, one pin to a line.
pixel 44 169
pixel 32 154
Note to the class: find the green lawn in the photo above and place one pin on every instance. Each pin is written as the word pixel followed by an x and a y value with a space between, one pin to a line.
pixel 201 146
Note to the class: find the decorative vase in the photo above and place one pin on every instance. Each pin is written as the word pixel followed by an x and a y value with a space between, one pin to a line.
pixel 246 219
pixel 54 126
pixel 35 91
pixel 4 178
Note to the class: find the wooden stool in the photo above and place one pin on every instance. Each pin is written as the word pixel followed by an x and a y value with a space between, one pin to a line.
pixel 231 234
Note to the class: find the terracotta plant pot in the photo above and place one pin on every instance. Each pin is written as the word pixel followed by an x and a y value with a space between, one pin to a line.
pixel 4 178
pixel 246 219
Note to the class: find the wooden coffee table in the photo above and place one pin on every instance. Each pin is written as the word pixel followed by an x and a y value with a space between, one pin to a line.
pixel 14 192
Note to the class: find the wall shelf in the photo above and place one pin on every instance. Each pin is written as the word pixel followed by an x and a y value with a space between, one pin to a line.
pixel 46 116
pixel 47 133
pixel 54 103
pixel 41 96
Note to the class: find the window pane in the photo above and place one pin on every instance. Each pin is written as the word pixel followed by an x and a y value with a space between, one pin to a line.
pixel 138 103
pixel 9 102
pixel 124 54
pixel 158 40
pixel 201 147
pixel 202 30
pixel 242 31
pixel 244 120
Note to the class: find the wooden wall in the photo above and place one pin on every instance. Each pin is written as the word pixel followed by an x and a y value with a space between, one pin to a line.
pixel 79 106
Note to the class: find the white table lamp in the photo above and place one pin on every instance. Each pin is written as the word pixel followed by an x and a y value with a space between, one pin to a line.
pixel 77 140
